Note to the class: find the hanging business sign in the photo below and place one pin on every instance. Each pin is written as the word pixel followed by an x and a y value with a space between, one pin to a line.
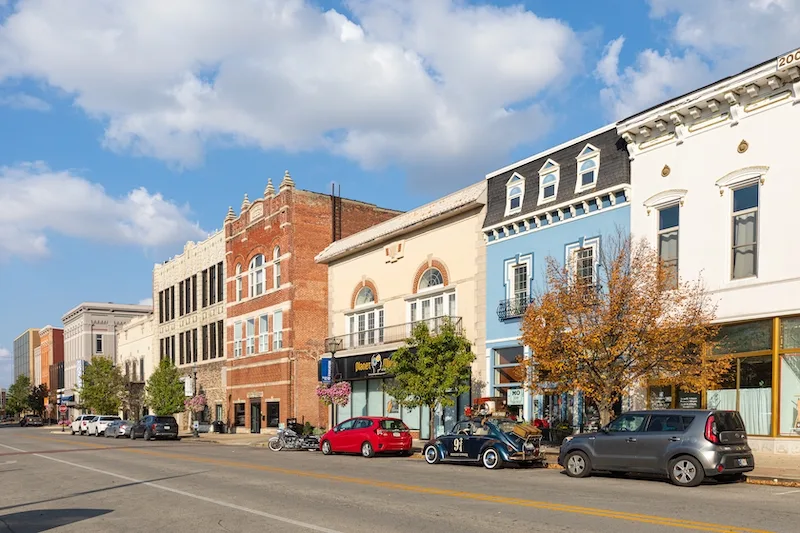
pixel 324 373
pixel 367 366
pixel 515 397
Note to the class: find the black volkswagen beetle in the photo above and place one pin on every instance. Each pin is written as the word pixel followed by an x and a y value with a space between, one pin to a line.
pixel 487 441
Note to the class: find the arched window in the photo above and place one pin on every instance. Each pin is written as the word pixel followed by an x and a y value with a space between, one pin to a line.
pixel 256 275
pixel 276 270
pixel 431 278
pixel 365 297
pixel 588 168
pixel 515 192
pixel 239 284
pixel 549 176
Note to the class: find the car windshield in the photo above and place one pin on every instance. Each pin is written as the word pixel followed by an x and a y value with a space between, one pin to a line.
pixel 109 418
pixel 393 425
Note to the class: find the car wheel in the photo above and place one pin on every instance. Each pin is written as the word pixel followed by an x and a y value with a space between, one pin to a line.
pixel 96 433
pixel 366 450
pixel 491 459
pixel 73 431
pixel 326 448
pixel 578 464
pixel 133 435
pixel 686 471
pixel 431 454
pixel 147 435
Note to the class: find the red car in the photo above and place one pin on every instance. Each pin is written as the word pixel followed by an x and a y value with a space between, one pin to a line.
pixel 368 435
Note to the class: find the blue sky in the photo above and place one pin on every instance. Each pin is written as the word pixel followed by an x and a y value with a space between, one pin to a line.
pixel 127 129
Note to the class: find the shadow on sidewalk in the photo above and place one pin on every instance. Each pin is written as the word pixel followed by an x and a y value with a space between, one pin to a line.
pixel 45 520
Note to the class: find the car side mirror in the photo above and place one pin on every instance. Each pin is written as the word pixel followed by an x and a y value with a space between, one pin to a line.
pixel 604 429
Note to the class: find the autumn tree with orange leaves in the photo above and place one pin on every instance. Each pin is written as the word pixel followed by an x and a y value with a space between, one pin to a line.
pixel 632 322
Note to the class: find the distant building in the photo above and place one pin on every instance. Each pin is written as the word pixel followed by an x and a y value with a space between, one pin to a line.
pixel 2 400
pixel 134 358
pixel 24 347
pixel 189 299
pixel 36 379
pixel 90 331
pixel 52 344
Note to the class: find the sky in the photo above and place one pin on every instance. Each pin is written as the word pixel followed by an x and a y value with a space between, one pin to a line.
pixel 127 127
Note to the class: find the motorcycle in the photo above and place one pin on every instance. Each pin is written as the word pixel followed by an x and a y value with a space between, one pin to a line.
pixel 291 440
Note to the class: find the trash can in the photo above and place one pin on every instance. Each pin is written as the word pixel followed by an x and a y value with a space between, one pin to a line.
pixel 219 427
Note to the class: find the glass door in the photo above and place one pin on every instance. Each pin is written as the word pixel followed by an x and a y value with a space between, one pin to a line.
pixel 255 417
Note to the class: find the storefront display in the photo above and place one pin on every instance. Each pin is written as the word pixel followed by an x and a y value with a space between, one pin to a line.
pixel 790 395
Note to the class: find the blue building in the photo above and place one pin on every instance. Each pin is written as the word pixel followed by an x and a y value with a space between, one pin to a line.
pixel 562 203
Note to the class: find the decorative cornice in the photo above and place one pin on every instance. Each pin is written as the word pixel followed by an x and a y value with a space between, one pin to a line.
pixel 740 176
pixel 665 198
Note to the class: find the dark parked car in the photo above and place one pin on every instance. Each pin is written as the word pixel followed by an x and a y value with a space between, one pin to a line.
pixel 490 442
pixel 31 420
pixel 155 427
pixel 686 445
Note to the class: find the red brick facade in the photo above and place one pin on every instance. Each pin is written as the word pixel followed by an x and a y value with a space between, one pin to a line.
pixel 51 341
pixel 283 374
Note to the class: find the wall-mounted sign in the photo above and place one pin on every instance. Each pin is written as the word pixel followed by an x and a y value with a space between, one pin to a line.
pixel 515 397
pixel 787 61
pixel 366 366
pixel 689 400
pixel 324 373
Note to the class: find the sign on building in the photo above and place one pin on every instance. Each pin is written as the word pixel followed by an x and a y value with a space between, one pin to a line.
pixel 515 397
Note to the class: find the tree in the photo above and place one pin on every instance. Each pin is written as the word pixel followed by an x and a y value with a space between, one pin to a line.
pixel 431 369
pixel 633 322
pixel 102 387
pixel 18 393
pixel 36 399
pixel 165 392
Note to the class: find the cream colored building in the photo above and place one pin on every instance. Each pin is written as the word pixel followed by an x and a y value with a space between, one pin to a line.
pixel 189 315
pixel 134 357
pixel 36 379
pixel 423 265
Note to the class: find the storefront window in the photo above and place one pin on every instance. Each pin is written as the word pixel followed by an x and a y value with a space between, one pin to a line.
pixel 790 395
pixel 507 370
pixel 790 333
pixel 661 397
pixel 723 395
pixel 344 412
pixel 359 398
pixel 755 394
pixel 374 397
pixel 743 338
pixel 410 415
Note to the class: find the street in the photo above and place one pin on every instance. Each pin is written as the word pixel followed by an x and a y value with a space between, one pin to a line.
pixel 76 483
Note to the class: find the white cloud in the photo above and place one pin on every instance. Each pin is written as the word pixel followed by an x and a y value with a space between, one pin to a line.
pixel 710 40
pixel 23 101
pixel 418 83
pixel 146 301
pixel 6 366
pixel 36 201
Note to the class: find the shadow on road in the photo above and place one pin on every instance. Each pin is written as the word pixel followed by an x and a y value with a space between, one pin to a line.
pixel 94 491
pixel 45 520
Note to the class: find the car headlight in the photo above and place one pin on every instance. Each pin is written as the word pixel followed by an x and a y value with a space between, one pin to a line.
pixel 567 439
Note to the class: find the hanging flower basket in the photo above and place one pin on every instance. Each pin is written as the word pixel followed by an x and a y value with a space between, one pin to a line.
pixel 336 394
pixel 196 404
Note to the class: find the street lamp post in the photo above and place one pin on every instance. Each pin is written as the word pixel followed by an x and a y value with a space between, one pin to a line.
pixel 195 433
pixel 333 345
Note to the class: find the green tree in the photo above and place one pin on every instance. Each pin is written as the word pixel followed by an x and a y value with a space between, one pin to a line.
pixel 165 392
pixel 18 393
pixel 431 369
pixel 102 387
pixel 36 399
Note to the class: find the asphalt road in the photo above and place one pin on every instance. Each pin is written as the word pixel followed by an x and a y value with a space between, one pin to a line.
pixel 65 483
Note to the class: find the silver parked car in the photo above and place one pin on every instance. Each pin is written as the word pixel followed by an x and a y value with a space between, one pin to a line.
pixel 686 445
pixel 119 428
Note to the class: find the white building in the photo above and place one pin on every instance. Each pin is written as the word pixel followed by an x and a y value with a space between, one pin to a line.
pixel 37 367
pixel 714 174
pixel 134 357
pixel 89 331
pixel 189 312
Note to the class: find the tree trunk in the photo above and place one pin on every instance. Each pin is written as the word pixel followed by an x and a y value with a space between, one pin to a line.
pixel 606 408
pixel 431 422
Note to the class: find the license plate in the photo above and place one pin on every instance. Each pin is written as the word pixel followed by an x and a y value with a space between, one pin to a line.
pixel 396 434
pixel 742 462
pixel 530 447
pixel 166 427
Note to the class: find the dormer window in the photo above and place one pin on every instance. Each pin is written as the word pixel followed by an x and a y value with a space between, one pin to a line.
pixel 588 168
pixel 515 192
pixel 548 181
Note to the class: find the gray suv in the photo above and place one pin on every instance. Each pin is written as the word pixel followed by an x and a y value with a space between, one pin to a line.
pixel 687 445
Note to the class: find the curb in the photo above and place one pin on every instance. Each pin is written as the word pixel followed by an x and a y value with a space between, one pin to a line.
pixel 772 481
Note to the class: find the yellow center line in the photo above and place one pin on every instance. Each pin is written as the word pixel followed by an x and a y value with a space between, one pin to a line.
pixel 574 509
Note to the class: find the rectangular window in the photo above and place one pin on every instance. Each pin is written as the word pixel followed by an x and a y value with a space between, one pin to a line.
pixel 277 326
pixel 188 286
pixel 521 282
pixel 212 340
pixel 263 334
pixel 205 288
pixel 220 338
pixel 371 328
pixel 366 328
pixel 258 281
pixel 181 349
pixel 172 347
pixel 745 230
pixel 251 335
pixel 141 369
pixel 212 285
pixel 160 307
pixel 668 224
pixel 218 412
pixel 451 305
pixel 172 302
pixel 380 325
pixel 98 344
pixel 237 339
pixel 189 346
pixel 205 343
pixel 161 349
pixel 180 298
pixel 220 282
pixel 194 292
pixel 276 271
pixel 194 345
pixel 413 312
pixel 167 302
pixel 584 266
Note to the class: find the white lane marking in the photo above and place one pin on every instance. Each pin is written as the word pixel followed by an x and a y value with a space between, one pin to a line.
pixel 787 492
pixel 187 494
pixel 8 463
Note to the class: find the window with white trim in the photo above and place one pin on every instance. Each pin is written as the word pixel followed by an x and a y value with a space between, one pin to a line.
pixel 744 241
pixel 277 327
pixel 239 284
pixel 256 275
pixel 430 279
pixel 582 261
pixel 98 344
pixel 432 309
pixel 515 193
pixel 518 275
pixel 588 168
pixel 276 269
pixel 365 296
pixel 365 328
pixel 263 333
pixel 549 176
pixel 237 340
pixel 251 335
pixel 668 238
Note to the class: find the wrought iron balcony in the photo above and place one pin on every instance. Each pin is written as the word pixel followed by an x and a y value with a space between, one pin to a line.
pixel 513 308
pixel 388 334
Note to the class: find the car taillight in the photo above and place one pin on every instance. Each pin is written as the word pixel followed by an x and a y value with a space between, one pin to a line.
pixel 711 430
pixel 381 433
pixel 153 427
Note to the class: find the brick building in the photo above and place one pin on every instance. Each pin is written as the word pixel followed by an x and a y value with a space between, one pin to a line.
pixel 51 342
pixel 189 299
pixel 277 300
